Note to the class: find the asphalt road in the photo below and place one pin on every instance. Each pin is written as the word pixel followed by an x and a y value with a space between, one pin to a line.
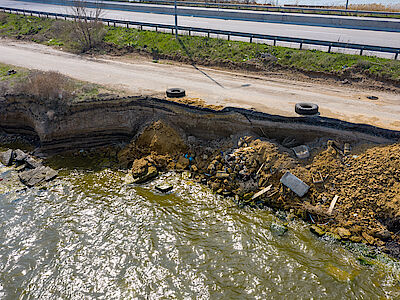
pixel 378 38
pixel 270 95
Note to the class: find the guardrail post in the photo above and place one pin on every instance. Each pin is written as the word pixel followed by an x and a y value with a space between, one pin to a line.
pixel 361 51
pixel 229 37
pixel 208 34
pixel 396 56
pixel 108 23
pixel 114 24
pixel 301 45
pixel 274 42
pixel 251 39
pixel 190 32
pixel 330 48
pixel 156 28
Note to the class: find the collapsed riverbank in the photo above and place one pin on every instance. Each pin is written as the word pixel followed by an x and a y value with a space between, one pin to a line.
pixel 236 152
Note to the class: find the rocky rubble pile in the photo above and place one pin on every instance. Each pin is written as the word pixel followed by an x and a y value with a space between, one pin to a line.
pixel 365 187
pixel 31 171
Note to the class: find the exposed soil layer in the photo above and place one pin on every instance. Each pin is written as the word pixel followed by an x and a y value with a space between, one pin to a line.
pixel 236 152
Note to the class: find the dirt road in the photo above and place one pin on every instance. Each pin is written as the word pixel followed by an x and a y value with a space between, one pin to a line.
pixel 271 95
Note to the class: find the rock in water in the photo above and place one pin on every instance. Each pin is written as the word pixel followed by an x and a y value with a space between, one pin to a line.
pixel 164 188
pixel 151 173
pixel 278 229
pixel 37 175
pixel 317 230
pixel 6 157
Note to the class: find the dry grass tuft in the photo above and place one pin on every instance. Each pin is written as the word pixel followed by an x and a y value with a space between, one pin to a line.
pixel 45 85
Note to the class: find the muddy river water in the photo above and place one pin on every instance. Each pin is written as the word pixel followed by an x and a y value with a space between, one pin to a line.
pixel 89 236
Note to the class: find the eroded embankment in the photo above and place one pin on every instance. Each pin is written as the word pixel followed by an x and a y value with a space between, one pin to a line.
pixel 87 124
pixel 237 152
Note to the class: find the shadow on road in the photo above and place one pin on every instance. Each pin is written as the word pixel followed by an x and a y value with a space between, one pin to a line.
pixel 194 64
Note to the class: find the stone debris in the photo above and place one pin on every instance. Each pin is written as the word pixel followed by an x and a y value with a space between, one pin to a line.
pixel 317 230
pixel 37 175
pixel 295 184
pixel 143 170
pixel 164 188
pixel 343 233
pixel 32 172
pixel 222 174
pixel 278 229
pixel 302 152
pixel 19 155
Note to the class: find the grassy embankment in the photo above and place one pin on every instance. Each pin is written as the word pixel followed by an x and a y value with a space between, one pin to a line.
pixel 203 50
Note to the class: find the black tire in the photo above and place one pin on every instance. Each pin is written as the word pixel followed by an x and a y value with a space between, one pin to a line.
pixel 176 93
pixel 306 108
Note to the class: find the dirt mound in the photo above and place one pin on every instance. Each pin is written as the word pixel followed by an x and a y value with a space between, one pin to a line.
pixel 158 139
pixel 161 139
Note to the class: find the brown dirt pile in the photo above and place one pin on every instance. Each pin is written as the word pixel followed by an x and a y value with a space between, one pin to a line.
pixel 158 139
pixel 367 183
pixel 368 186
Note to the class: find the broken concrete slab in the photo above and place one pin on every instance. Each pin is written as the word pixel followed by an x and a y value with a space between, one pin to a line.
pixel 37 175
pixel 6 157
pixel 19 155
pixel 295 184
pixel 262 192
pixel 31 162
pixel 302 152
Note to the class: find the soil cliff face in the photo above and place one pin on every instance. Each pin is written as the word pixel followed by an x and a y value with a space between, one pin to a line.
pixel 88 124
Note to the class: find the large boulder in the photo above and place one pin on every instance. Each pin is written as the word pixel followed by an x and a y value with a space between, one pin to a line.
pixel 6 157
pixel 143 169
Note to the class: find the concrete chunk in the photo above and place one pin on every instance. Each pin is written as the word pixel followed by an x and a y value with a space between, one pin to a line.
pixel 295 184
pixel 302 152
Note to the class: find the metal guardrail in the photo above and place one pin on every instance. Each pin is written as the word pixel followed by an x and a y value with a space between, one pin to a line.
pixel 251 36
pixel 281 9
